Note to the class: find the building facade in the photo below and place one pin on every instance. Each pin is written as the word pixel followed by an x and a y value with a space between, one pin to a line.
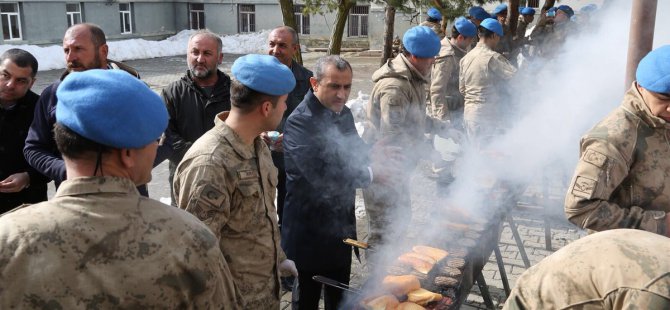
pixel 44 21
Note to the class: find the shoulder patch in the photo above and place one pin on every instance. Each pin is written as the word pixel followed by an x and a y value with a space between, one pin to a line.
pixel 595 158
pixel 584 187
pixel 206 201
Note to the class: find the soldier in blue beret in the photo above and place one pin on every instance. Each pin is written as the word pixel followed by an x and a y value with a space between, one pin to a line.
pixel 445 99
pixel 228 180
pixel 620 180
pixel 434 21
pixel 104 239
pixel 526 17
pixel 503 47
pixel 397 112
pixel 477 15
pixel 561 28
pixel 482 72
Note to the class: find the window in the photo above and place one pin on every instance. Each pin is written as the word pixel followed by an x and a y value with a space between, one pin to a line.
pixel 125 18
pixel 358 21
pixel 11 21
pixel 73 13
pixel 197 15
pixel 301 20
pixel 247 18
pixel 533 3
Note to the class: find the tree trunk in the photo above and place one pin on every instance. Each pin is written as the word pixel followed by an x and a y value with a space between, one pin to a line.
pixel 513 16
pixel 389 23
pixel 289 20
pixel 340 21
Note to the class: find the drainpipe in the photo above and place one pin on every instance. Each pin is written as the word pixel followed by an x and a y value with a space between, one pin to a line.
pixel 641 36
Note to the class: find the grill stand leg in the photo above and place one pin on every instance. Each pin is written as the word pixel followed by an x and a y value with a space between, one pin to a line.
pixel 501 268
pixel 545 202
pixel 519 242
pixel 484 289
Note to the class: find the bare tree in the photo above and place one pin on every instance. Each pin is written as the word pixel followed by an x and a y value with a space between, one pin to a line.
pixel 343 7
pixel 289 20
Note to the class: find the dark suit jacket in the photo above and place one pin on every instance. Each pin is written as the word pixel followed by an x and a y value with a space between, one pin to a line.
pixel 325 162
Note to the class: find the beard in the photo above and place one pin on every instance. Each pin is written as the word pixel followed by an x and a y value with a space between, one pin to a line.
pixel 201 72
pixel 80 66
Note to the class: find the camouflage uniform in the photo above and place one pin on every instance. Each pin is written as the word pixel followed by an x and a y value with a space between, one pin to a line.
pixel 635 274
pixel 98 244
pixel 621 180
pixel 231 187
pixel 437 27
pixel 397 109
pixel 519 38
pixel 445 98
pixel 482 77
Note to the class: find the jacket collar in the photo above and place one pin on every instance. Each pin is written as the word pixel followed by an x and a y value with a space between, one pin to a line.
pixel 222 83
pixel 92 185
pixel 228 135
pixel 634 103
pixel 298 71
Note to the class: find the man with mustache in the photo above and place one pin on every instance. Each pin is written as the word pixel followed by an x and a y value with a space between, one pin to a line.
pixel 85 48
pixel 194 100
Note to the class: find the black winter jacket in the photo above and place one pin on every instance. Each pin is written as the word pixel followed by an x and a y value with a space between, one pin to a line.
pixel 192 112
pixel 14 125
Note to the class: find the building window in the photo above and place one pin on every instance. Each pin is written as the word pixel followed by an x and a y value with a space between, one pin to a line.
pixel 197 15
pixel 301 20
pixel 125 18
pixel 73 14
pixel 358 21
pixel 533 3
pixel 11 21
pixel 247 18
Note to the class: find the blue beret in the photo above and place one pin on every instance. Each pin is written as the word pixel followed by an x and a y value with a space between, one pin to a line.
pixel 421 41
pixel 493 25
pixel 111 107
pixel 434 13
pixel 589 8
pixel 653 71
pixel 465 27
pixel 478 13
pixel 567 10
pixel 500 9
pixel 264 74
pixel 528 11
pixel 552 9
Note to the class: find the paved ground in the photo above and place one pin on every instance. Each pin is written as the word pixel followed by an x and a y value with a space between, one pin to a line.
pixel 530 218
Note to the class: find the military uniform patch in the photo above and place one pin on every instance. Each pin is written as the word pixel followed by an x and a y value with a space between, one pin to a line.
pixel 210 196
pixel 584 187
pixel 595 158
pixel 247 174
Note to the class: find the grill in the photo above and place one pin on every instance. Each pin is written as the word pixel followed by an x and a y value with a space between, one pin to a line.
pixel 469 242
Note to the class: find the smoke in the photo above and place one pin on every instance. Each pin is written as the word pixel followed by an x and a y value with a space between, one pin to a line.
pixel 554 102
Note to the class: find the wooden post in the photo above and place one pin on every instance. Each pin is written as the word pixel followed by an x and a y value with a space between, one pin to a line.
pixel 641 36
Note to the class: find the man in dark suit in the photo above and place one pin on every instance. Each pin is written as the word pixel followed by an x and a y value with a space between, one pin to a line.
pixel 325 162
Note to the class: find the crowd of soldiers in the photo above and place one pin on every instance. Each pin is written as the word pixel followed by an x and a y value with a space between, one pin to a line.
pixel 275 130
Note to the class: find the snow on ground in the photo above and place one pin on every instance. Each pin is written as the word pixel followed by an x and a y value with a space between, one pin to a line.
pixel 51 57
